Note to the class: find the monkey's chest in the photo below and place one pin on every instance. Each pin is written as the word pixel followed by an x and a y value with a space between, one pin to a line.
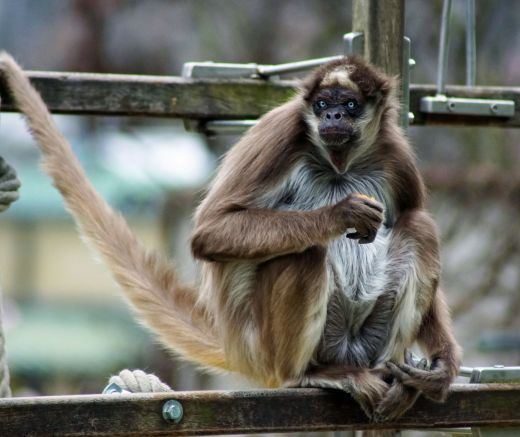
pixel 356 271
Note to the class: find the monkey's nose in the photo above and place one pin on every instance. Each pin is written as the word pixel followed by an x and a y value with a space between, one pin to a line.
pixel 335 115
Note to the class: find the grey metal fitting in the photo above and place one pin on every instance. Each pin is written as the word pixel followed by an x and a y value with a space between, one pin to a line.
pixel 172 411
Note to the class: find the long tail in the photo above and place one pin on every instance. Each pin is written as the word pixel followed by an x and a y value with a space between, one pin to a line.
pixel 150 283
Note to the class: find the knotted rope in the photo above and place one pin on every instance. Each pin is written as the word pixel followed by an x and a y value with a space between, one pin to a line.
pixel 137 381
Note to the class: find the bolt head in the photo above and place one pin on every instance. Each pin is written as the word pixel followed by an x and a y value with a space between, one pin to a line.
pixel 172 411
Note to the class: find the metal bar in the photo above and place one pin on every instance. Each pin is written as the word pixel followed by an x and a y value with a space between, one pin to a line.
pixel 471 44
pixel 444 43
pixel 234 412
pixel 293 67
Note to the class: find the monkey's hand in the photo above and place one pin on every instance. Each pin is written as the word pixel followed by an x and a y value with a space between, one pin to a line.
pixel 9 185
pixel 360 212
pixel 433 383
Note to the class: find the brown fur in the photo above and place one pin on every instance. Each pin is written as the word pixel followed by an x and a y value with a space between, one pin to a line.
pixel 261 305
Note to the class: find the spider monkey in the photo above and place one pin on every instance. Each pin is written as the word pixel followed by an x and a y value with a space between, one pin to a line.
pixel 319 263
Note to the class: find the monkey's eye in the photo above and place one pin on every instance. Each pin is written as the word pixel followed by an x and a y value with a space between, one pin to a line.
pixel 352 105
pixel 321 104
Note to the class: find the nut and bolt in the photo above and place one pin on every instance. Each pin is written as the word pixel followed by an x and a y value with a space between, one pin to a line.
pixel 172 411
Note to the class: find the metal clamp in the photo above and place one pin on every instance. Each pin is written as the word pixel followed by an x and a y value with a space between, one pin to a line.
pixel 442 104
pixel 353 44
pixel 220 70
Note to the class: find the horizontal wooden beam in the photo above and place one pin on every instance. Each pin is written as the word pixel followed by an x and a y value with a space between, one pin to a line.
pixel 206 99
pixel 162 96
pixel 228 412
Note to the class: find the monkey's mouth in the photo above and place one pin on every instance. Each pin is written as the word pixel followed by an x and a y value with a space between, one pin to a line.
pixel 334 137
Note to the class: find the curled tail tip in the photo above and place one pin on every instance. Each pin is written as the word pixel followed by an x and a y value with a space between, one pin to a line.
pixel 6 60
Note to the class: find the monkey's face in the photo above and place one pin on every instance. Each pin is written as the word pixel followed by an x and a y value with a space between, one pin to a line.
pixel 336 112
pixel 344 101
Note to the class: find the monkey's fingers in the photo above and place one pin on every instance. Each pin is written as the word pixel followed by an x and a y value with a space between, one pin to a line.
pixel 369 201
pixel 414 361
pixel 396 402
pixel 434 384
pixel 363 239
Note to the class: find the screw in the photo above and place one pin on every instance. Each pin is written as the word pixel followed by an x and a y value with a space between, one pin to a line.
pixel 172 411
pixel 451 106
pixel 494 107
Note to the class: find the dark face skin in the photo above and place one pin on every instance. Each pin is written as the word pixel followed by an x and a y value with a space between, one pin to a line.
pixel 338 110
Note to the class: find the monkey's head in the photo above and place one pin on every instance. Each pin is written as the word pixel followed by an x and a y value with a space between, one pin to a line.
pixel 344 102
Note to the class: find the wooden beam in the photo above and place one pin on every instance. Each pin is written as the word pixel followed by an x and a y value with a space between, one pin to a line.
pixel 163 96
pixel 224 412
pixel 171 96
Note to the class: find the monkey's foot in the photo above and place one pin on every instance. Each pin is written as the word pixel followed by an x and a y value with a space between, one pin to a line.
pixel 367 387
pixel 400 397
pixel 396 402
pixel 432 383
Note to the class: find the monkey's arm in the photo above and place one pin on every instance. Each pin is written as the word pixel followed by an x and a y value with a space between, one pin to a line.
pixel 255 233
pixel 230 224
pixel 9 185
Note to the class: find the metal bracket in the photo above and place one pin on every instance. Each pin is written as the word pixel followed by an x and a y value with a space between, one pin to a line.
pixel 442 104
pixel 495 374
pixel 490 375
pixel 220 70
pixel 354 44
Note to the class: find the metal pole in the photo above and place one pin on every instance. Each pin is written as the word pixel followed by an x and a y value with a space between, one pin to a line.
pixel 471 44
pixel 443 46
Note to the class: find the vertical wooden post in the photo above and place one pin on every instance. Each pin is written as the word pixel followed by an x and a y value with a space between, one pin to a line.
pixel 382 24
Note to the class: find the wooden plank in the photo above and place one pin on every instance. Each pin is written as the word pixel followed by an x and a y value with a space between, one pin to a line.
pixel 167 96
pixel 170 96
pixel 247 412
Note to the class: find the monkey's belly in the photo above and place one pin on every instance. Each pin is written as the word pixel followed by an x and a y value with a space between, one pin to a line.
pixel 358 276
pixel 358 271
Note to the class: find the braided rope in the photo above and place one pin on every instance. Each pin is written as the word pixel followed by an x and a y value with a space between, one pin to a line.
pixel 136 381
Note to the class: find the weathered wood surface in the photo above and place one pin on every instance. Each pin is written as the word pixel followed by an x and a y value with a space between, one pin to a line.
pixel 382 23
pixel 171 96
pixel 166 96
pixel 246 412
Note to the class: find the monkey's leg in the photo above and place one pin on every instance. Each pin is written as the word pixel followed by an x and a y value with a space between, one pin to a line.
pixel 414 274
pixel 277 331
pixel 436 338
pixel 420 314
